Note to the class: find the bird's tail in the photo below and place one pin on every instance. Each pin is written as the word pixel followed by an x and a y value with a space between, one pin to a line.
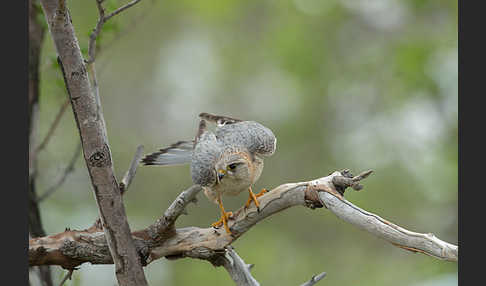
pixel 176 154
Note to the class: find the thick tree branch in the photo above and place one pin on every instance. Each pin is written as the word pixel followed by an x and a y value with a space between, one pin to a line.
pixel 97 153
pixel 76 247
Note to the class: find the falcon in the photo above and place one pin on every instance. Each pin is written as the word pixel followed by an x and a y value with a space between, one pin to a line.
pixel 226 161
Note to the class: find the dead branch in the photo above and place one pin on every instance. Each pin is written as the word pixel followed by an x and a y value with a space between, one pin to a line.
pixel 130 174
pixel 238 270
pixel 53 126
pixel 76 247
pixel 121 9
pixel 314 279
pixel 96 149
pixel 68 275
pixel 99 25
pixel 69 169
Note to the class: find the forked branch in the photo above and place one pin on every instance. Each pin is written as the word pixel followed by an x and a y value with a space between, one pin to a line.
pixel 162 240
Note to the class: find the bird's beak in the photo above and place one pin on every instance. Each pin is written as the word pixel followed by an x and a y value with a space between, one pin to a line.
pixel 221 174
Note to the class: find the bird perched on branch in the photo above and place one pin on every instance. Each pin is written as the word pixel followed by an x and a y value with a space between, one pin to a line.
pixel 224 162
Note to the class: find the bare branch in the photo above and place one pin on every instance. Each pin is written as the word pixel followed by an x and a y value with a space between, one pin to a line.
pixel 96 32
pixel 238 269
pixel 314 279
pixel 121 9
pixel 99 25
pixel 53 126
pixel 416 242
pixel 142 16
pixel 69 169
pixel 165 225
pixel 208 243
pixel 67 276
pixel 130 174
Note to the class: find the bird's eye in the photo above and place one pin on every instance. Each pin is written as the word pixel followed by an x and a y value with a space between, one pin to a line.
pixel 231 166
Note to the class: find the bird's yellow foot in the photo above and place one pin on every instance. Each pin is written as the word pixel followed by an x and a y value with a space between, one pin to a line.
pixel 253 198
pixel 224 221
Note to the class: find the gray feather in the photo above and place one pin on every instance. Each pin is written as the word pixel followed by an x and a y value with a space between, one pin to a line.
pixel 176 154
pixel 256 138
pixel 206 153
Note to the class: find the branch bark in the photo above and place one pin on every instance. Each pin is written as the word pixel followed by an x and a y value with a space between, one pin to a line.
pixel 238 270
pixel 77 247
pixel 97 153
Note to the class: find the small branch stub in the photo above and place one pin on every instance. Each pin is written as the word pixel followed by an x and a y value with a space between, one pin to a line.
pixel 315 279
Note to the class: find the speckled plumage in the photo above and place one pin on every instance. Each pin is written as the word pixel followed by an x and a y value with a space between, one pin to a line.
pixel 234 141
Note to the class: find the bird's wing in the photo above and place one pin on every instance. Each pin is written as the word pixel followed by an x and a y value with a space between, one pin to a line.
pixel 207 151
pixel 253 136
pixel 176 154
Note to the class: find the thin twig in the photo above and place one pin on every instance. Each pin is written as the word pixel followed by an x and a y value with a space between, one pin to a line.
pixel 121 9
pixel 68 276
pixel 96 32
pixel 130 174
pixel 69 169
pixel 99 25
pixel 126 30
pixel 53 127
pixel 314 279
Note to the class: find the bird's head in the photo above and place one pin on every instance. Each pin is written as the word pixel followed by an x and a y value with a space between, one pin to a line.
pixel 234 167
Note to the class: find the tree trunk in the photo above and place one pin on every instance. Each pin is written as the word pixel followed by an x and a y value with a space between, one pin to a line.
pixel 97 154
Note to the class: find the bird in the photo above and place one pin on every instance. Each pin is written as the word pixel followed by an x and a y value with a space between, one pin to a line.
pixel 224 162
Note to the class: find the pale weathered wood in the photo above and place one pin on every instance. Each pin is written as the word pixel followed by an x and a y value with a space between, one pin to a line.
pixel 97 154
pixel 207 243
pixel 238 270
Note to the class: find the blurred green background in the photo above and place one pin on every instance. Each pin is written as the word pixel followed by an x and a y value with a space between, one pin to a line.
pixel 342 83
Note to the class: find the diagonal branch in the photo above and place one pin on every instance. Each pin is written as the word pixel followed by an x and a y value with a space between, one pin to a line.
pixel 69 169
pixel 130 174
pixel 99 25
pixel 121 9
pixel 77 247
pixel 68 275
pixel 53 126
pixel 315 279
